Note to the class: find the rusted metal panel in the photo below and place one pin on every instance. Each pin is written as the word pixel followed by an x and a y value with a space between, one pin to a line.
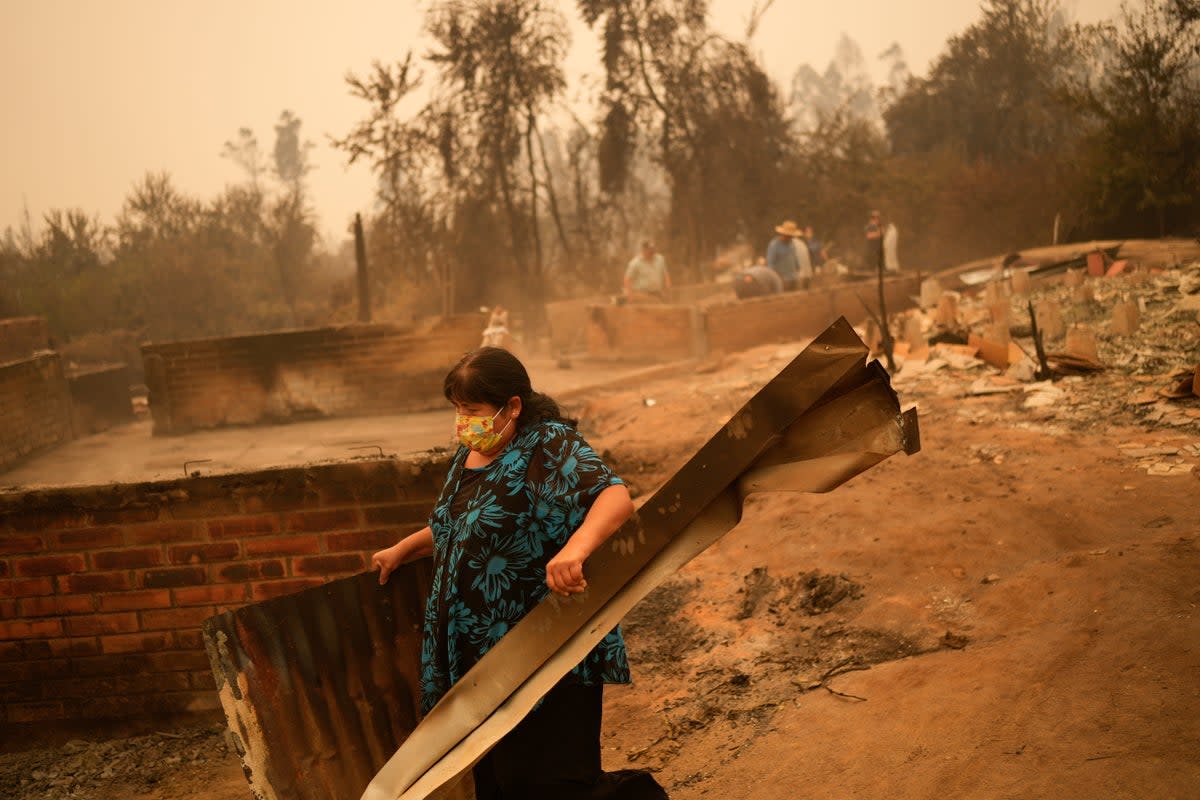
pixel 320 687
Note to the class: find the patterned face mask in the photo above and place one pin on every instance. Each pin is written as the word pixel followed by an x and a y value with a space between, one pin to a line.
pixel 478 433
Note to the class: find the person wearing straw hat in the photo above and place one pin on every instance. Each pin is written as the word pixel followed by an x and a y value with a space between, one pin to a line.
pixel 781 254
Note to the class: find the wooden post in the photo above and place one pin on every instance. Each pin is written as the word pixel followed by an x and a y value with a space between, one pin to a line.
pixel 360 258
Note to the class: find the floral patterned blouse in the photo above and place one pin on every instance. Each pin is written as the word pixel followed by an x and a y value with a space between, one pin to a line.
pixel 494 530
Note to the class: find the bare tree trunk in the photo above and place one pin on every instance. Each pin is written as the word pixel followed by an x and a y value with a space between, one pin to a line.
pixel 552 198
pixel 535 319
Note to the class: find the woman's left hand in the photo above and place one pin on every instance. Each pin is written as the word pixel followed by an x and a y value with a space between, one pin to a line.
pixel 564 572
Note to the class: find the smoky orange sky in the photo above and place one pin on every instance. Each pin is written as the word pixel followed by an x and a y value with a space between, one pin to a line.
pixel 96 93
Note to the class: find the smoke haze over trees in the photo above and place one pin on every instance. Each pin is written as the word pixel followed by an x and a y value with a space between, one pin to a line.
pixel 498 184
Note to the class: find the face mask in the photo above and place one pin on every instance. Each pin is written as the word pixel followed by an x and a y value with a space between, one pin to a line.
pixel 478 433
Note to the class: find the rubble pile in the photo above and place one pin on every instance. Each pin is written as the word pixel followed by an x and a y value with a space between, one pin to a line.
pixel 1118 343
pixel 87 770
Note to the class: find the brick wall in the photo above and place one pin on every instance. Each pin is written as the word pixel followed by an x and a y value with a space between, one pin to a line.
pixel 740 324
pixel 647 332
pixel 21 337
pixel 35 407
pixel 103 589
pixel 303 374
pixel 657 332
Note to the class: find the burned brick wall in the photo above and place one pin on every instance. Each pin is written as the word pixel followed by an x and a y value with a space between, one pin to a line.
pixel 650 332
pixel 21 337
pixel 352 370
pixel 740 324
pixel 35 407
pixel 103 589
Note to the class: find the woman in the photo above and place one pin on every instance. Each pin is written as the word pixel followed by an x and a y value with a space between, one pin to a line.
pixel 525 502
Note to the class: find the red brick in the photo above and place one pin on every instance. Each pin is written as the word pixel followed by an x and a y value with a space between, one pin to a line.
pixel 172 618
pixel 97 582
pixel 4 568
pixel 34 712
pixel 250 570
pixel 286 499
pixel 82 687
pixel 361 541
pixel 210 595
pixel 31 629
pixel 242 527
pixel 270 589
pixel 48 520
pixel 56 605
pixel 325 520
pixel 151 683
pixel 124 516
pixel 189 640
pixel 204 508
pixel 203 553
pixel 178 661
pixel 416 513
pixel 8 609
pixel 295 545
pixel 177 576
pixel 98 664
pixel 13 545
pixel 74 648
pixel 48 565
pixel 99 624
pixel 328 565
pixel 166 533
pixel 136 601
pixel 134 643
pixel 87 539
pixel 203 680
pixel 127 559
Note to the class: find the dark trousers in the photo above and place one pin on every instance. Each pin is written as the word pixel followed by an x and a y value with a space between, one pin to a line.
pixel 554 754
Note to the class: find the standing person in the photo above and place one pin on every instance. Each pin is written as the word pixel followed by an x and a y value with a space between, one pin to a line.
pixel 891 241
pixel 781 254
pixel 816 249
pixel 874 236
pixel 646 276
pixel 804 271
pixel 525 502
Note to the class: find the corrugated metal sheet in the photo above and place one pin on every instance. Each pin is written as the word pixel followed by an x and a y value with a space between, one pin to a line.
pixel 320 687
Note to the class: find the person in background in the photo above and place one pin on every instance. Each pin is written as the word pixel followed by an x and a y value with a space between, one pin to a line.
pixel 496 333
pixel 891 241
pixel 804 271
pixel 781 255
pixel 646 276
pixel 816 251
pixel 526 500
pixel 873 233
pixel 756 280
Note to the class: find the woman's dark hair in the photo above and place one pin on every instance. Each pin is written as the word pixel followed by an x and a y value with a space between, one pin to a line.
pixel 493 375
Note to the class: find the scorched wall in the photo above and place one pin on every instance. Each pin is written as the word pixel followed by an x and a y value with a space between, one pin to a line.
pixel 103 589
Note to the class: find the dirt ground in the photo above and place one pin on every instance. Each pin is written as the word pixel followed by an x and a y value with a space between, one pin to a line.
pixel 1010 613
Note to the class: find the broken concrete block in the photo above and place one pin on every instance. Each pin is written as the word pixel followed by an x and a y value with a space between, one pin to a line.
pixel 1021 282
pixel 947 310
pixel 1081 342
pixel 995 293
pixel 931 292
pixel 912 332
pixel 1049 320
pixel 998 332
pixel 1096 263
pixel 1117 268
pixel 997 354
pixel 999 312
pixel 1126 318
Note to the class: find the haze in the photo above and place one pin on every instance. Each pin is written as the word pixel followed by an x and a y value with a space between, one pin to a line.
pixel 98 93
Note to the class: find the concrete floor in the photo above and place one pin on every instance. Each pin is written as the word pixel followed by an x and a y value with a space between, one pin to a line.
pixel 130 453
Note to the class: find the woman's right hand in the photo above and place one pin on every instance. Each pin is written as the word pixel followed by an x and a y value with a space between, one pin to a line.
pixel 386 561
pixel 413 546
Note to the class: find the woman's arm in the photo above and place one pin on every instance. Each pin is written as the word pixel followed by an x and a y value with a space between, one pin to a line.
pixel 564 572
pixel 410 548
